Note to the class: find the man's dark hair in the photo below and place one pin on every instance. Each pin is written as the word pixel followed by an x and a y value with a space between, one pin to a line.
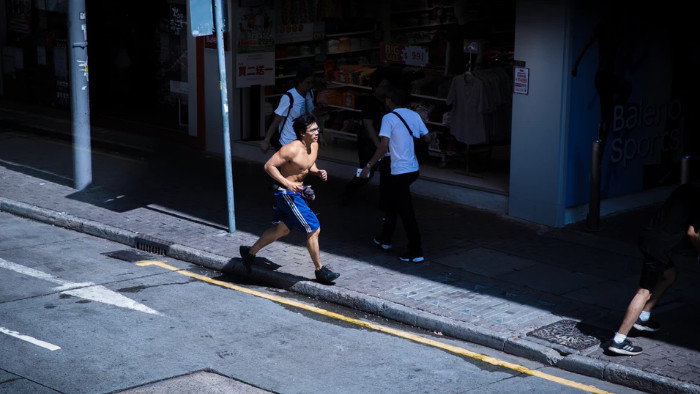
pixel 398 96
pixel 304 71
pixel 301 123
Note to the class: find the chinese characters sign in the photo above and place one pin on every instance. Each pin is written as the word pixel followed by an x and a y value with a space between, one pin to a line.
pixel 255 69
pixel 255 59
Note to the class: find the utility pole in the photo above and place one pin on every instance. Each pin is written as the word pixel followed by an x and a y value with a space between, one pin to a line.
pixel 219 18
pixel 79 93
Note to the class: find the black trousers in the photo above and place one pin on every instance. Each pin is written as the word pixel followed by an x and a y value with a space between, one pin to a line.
pixel 400 205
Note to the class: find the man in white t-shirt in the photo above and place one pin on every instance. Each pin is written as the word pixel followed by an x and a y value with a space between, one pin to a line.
pixel 303 103
pixel 396 136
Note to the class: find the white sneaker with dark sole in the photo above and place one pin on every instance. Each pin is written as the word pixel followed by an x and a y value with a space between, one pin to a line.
pixel 625 348
pixel 648 326
pixel 381 245
pixel 412 259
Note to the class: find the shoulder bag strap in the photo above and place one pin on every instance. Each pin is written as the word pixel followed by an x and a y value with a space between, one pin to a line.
pixel 404 123
pixel 291 103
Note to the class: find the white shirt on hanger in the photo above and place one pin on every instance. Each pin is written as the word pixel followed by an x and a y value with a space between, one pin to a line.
pixel 466 96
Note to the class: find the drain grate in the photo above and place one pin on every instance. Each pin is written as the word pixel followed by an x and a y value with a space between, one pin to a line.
pixel 130 255
pixel 152 245
pixel 570 333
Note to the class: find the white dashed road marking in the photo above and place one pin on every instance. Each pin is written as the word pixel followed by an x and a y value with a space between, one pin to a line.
pixel 29 339
pixel 85 290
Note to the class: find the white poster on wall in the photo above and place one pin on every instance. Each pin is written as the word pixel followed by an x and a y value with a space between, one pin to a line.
pixel 521 80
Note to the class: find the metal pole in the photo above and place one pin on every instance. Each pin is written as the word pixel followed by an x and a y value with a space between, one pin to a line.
pixel 79 94
pixel 594 203
pixel 219 18
pixel 685 169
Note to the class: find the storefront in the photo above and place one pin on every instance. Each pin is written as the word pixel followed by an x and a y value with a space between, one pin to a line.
pixel 425 46
pixel 633 87
pixel 529 156
pixel 545 160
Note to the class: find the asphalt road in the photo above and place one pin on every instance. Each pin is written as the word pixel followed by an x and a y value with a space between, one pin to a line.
pixel 79 314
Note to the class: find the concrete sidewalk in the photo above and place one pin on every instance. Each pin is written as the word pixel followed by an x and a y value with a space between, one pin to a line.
pixel 552 295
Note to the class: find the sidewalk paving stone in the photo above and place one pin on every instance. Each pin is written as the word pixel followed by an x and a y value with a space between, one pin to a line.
pixel 488 278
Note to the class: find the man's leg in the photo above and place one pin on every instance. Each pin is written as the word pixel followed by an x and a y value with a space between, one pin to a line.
pixel 634 308
pixel 619 344
pixel 323 274
pixel 644 321
pixel 384 168
pixel 644 300
pixel 667 279
pixel 404 204
pixel 390 214
pixel 270 235
pixel 313 248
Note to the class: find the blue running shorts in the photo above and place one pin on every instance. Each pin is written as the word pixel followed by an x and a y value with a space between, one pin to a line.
pixel 293 211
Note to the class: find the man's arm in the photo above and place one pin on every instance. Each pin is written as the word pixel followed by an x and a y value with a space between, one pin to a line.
pixel 370 131
pixel 381 151
pixel 319 173
pixel 285 155
pixel 694 236
pixel 265 145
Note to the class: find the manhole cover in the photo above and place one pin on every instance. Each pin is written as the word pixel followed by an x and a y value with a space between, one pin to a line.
pixel 570 333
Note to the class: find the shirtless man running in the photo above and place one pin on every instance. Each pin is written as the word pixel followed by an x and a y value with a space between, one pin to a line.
pixel 288 167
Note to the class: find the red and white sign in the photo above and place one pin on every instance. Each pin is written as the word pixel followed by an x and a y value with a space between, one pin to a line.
pixel 521 80
pixel 257 68
pixel 411 55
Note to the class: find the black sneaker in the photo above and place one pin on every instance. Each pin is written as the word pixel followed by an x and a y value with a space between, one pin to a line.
pixel 326 276
pixel 381 244
pixel 626 348
pixel 411 258
pixel 648 326
pixel 247 258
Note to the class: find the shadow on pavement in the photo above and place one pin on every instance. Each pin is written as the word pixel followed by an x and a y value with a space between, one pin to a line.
pixel 515 259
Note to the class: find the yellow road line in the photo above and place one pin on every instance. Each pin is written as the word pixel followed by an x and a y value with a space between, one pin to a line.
pixel 380 328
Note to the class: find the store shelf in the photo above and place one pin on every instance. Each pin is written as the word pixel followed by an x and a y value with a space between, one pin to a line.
pixel 428 97
pixel 353 51
pixel 343 108
pixel 286 76
pixel 420 10
pixel 353 33
pixel 340 134
pixel 431 25
pixel 281 59
pixel 427 122
pixel 336 84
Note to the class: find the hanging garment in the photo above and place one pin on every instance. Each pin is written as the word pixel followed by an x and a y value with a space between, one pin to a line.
pixel 466 96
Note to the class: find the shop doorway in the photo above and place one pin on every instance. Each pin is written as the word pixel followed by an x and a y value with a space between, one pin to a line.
pixel 138 62
pixel 425 47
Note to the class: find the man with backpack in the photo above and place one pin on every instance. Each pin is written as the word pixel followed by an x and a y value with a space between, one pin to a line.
pixel 294 103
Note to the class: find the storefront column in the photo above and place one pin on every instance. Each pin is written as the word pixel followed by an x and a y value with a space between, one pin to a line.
pixel 539 129
pixel 3 39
